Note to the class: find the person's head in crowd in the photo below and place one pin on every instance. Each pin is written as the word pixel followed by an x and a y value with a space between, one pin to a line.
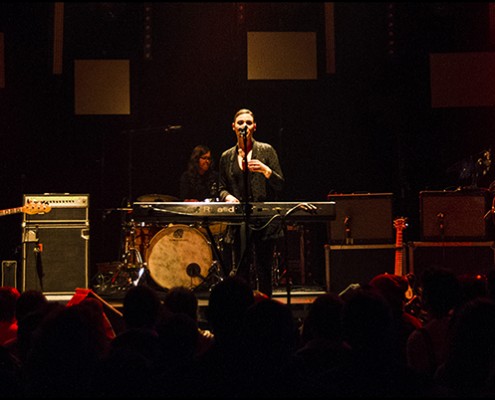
pixel 8 299
pixel 29 301
pixel 440 291
pixel 229 299
pixel 141 307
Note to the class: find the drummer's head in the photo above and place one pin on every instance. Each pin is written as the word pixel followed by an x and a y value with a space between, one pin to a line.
pixel 200 160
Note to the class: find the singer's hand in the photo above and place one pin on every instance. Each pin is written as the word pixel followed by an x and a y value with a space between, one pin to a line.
pixel 258 166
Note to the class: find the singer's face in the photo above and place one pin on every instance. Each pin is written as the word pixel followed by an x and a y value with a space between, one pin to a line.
pixel 244 121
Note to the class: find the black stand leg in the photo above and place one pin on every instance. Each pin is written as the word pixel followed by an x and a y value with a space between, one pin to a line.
pixel 39 264
pixel 288 272
pixel 218 256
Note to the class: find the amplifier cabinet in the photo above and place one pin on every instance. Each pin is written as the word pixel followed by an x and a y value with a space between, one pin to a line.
pixel 356 264
pixel 463 258
pixel 55 258
pixel 65 208
pixel 362 219
pixel 454 215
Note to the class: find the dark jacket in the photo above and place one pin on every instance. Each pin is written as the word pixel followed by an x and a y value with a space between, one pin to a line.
pixel 260 189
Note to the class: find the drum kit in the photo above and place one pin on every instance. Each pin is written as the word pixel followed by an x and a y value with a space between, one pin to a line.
pixel 166 255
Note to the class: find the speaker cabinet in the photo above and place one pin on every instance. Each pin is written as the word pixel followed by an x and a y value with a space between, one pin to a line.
pixel 304 253
pixel 454 216
pixel 55 258
pixel 463 258
pixel 361 219
pixel 355 264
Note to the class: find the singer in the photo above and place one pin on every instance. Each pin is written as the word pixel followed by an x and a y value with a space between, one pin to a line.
pixel 199 182
pixel 250 172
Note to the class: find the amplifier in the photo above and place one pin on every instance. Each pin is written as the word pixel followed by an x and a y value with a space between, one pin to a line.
pixel 356 264
pixel 65 208
pixel 463 258
pixel 454 215
pixel 361 219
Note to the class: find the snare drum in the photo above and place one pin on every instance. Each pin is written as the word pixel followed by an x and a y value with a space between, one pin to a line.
pixel 179 255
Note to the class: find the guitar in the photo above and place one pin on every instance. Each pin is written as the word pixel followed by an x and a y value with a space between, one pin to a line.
pixel 28 208
pixel 400 224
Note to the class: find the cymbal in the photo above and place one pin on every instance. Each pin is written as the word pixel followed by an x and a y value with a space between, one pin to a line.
pixel 157 197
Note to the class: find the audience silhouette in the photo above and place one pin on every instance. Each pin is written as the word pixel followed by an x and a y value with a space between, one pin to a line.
pixel 322 346
pixel 8 320
pixel 440 296
pixel 181 299
pixel 251 346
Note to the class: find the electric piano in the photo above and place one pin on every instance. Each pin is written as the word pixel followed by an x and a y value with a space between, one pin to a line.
pixel 184 212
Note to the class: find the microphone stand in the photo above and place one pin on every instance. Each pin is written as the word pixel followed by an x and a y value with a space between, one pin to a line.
pixel 245 237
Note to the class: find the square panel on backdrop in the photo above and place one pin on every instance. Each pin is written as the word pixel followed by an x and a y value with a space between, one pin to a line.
pixel 102 87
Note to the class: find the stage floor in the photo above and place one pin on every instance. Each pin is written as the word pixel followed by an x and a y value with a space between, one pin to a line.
pixel 298 298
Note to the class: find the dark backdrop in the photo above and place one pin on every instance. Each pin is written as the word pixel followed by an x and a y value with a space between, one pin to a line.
pixel 369 127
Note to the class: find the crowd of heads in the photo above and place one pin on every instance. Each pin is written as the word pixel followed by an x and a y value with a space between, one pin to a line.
pixel 366 343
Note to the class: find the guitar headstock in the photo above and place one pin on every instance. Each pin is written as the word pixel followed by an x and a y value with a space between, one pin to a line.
pixel 400 223
pixel 36 207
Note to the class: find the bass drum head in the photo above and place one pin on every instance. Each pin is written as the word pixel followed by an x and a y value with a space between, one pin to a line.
pixel 179 255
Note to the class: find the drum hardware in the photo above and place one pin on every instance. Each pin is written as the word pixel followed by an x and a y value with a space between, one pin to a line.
pixel 214 276
pixel 216 240
pixel 130 270
pixel 278 273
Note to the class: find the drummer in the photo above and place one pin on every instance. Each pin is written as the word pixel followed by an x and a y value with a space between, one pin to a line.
pixel 199 182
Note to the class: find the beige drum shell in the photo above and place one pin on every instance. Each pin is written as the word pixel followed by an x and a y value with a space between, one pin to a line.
pixel 172 250
pixel 216 229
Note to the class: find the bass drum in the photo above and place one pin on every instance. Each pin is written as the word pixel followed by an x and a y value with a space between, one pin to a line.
pixel 179 255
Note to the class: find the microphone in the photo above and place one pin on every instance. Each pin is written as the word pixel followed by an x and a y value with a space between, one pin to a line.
pixel 172 128
pixel 243 131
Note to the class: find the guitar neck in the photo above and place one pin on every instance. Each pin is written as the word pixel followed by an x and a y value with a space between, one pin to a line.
pixel 399 251
pixel 10 211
